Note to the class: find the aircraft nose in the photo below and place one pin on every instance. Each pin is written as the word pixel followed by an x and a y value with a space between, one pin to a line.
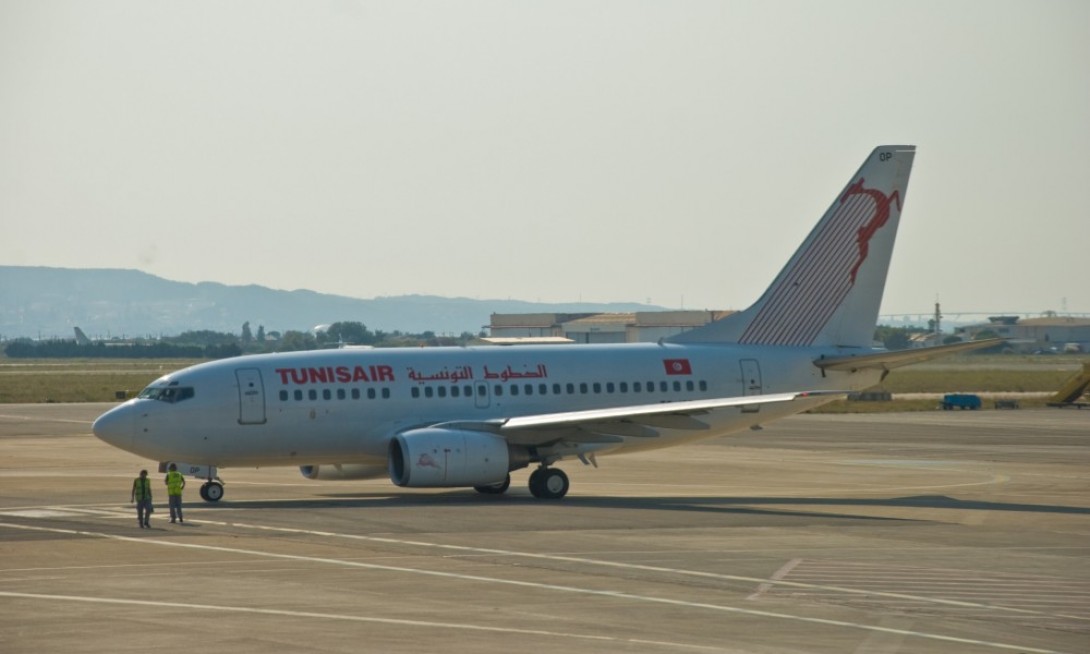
pixel 115 427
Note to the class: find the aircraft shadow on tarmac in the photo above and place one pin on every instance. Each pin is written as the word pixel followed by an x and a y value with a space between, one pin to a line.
pixel 715 505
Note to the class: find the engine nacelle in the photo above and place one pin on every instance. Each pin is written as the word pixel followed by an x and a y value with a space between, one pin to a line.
pixel 338 471
pixel 433 457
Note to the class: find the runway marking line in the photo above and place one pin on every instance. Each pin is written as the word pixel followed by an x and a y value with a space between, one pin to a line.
pixel 631 566
pixel 776 576
pixel 495 580
pixel 765 584
pixel 340 616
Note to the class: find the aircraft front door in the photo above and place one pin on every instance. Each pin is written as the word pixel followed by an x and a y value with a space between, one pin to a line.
pixel 251 396
pixel 751 382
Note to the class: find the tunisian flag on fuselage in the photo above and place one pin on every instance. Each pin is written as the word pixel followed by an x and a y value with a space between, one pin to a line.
pixel 677 366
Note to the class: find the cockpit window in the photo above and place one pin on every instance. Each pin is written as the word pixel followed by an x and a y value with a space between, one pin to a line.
pixel 169 394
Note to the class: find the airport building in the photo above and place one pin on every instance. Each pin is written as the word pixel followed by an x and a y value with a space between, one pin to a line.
pixel 1047 334
pixel 638 327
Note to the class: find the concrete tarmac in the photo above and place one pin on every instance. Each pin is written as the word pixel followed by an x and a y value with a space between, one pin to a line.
pixel 921 532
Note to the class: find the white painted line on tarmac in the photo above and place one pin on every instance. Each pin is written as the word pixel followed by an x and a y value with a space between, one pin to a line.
pixel 341 616
pixel 637 566
pixel 534 585
pixel 765 584
pixel 776 576
pixel 40 513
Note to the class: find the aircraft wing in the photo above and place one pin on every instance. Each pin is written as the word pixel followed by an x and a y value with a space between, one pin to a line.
pixel 609 425
pixel 891 360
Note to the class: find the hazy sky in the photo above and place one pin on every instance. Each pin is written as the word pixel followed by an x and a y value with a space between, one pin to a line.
pixel 671 152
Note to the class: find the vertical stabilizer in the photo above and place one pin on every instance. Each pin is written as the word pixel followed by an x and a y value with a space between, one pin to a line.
pixel 830 291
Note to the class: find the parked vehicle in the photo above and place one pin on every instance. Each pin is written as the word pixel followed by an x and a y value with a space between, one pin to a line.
pixel 960 401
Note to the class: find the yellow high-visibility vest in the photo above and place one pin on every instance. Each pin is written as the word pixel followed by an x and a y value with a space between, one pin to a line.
pixel 141 488
pixel 175 482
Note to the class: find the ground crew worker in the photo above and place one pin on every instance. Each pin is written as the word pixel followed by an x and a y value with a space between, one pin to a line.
pixel 175 483
pixel 141 494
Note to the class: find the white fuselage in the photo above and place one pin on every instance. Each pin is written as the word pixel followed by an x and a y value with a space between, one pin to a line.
pixel 344 406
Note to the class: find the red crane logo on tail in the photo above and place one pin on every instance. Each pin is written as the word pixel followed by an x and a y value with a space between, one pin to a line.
pixel 816 281
pixel 871 227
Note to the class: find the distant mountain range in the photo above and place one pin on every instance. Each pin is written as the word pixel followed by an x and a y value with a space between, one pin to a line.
pixel 50 302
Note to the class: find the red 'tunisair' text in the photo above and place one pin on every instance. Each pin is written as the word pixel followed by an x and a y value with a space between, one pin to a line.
pixel 335 375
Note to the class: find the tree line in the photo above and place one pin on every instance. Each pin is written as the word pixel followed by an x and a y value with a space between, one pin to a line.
pixel 209 344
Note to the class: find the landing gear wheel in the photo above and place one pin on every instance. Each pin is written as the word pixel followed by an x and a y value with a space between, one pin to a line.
pixel 212 491
pixel 549 484
pixel 494 489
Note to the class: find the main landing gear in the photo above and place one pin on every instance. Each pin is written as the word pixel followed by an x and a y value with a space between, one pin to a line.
pixel 549 483
pixel 545 484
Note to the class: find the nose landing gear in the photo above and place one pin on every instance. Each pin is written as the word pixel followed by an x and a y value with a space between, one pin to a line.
pixel 211 491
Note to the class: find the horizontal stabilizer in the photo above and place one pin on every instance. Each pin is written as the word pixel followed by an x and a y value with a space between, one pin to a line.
pixel 891 360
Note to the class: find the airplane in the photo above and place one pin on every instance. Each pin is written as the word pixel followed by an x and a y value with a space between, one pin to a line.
pixel 469 416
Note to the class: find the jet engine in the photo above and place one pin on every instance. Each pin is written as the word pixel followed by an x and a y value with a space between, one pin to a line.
pixel 434 457
pixel 338 471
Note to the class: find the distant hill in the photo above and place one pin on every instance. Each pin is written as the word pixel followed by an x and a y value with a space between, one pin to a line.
pixel 50 302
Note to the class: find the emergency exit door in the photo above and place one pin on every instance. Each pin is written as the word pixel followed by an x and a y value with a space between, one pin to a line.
pixel 751 382
pixel 251 396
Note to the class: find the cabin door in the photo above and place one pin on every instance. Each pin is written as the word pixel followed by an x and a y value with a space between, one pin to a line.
pixel 251 396
pixel 751 382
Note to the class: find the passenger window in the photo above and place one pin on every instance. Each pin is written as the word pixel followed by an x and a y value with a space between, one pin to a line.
pixel 283 396
pixel 624 387
pixel 498 391
pixel 299 395
pixel 326 394
pixel 371 393
pixel 514 389
pixel 583 388
pixel 428 391
pixel 677 386
pixel 442 391
pixel 529 388
pixel 415 392
pixel 542 389
pixel 455 391
pixel 385 393
pixel 355 393
pixel 609 387
pixel 312 394
pixel 636 387
pixel 597 388
pixel 663 387
pixel 556 389
pixel 571 389
pixel 703 385
pixel 689 386
pixel 340 394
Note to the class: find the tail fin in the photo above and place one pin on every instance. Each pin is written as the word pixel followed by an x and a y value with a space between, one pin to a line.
pixel 830 291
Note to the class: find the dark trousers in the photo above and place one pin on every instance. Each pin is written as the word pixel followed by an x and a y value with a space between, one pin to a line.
pixel 175 502
pixel 143 512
